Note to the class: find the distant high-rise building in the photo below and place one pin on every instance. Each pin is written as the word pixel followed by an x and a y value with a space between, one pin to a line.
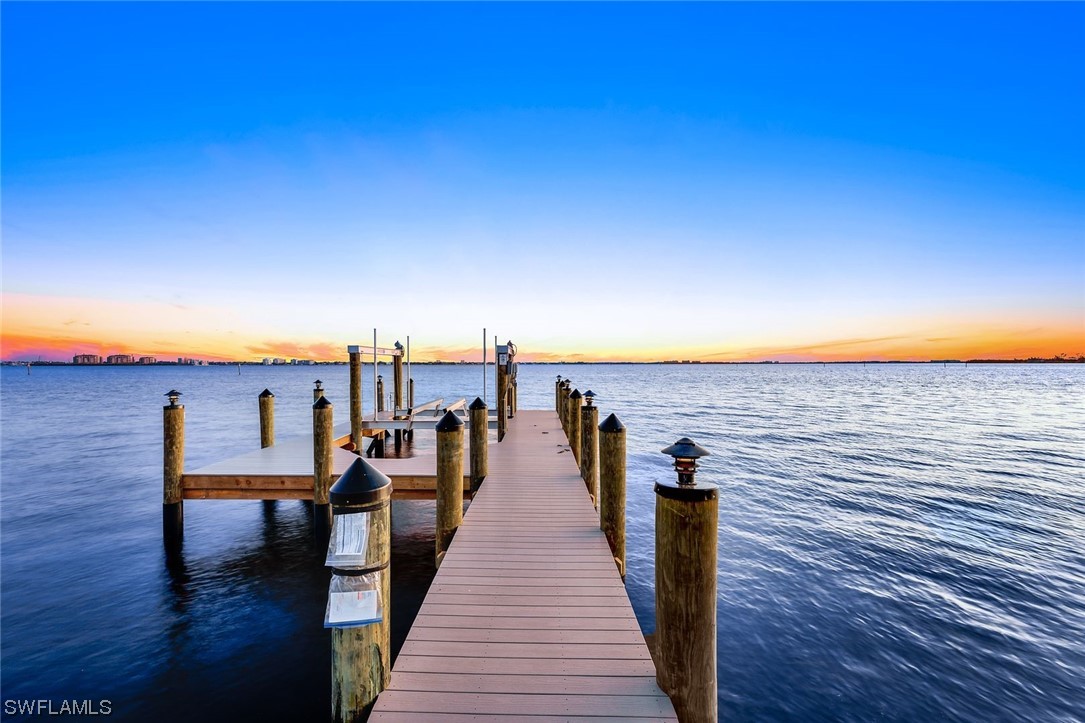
pixel 119 359
pixel 147 360
pixel 86 359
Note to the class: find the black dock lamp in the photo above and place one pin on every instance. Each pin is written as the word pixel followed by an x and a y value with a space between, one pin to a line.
pixel 173 395
pixel 686 453
pixel 588 397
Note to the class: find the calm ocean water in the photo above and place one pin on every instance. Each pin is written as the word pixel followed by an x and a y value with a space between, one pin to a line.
pixel 897 542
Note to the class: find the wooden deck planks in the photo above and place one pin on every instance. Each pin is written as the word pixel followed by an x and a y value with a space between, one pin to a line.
pixel 527 618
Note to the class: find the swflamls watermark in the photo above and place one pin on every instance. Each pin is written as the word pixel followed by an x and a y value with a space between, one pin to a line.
pixel 46 706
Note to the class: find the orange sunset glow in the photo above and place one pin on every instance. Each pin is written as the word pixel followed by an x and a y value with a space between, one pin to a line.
pixel 55 329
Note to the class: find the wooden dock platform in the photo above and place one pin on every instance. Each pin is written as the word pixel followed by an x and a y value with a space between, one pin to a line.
pixel 527 618
pixel 284 471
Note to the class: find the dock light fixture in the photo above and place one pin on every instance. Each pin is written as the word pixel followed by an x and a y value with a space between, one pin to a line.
pixel 173 396
pixel 589 396
pixel 686 453
pixel 317 384
pixel 358 549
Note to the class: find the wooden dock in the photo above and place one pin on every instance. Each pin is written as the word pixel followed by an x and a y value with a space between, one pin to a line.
pixel 284 471
pixel 527 618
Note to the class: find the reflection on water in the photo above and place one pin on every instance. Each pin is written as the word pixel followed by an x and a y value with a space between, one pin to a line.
pixel 897 542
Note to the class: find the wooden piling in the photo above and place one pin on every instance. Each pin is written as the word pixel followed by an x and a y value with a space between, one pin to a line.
pixel 173 465
pixel 563 414
pixel 572 415
pixel 356 436
pixel 687 517
pixel 449 481
pixel 557 397
pixel 479 441
pixel 362 656
pixel 380 393
pixel 612 486
pixel 322 466
pixel 267 418
pixel 502 400
pixel 589 450
pixel 397 397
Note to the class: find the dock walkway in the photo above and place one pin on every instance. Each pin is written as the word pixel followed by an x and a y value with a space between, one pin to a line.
pixel 527 617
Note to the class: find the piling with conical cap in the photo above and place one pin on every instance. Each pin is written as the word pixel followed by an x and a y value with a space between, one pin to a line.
pixel 449 481
pixel 362 655
pixel 480 435
pixel 612 486
pixel 322 466
pixel 266 403
pixel 572 416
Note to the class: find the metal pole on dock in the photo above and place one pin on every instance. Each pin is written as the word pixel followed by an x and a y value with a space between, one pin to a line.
pixel 612 486
pixel 572 415
pixel 173 465
pixel 687 517
pixel 589 446
pixel 480 434
pixel 322 466
pixel 484 364
pixel 449 481
pixel 380 392
pixel 267 418
pixel 361 654
pixel 356 397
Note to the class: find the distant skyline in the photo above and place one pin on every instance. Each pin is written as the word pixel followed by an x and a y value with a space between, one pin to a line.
pixel 606 181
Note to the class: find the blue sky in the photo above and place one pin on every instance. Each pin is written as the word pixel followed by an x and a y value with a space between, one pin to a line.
pixel 724 179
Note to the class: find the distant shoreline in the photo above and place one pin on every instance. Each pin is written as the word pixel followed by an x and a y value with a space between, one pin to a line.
pixel 1051 360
